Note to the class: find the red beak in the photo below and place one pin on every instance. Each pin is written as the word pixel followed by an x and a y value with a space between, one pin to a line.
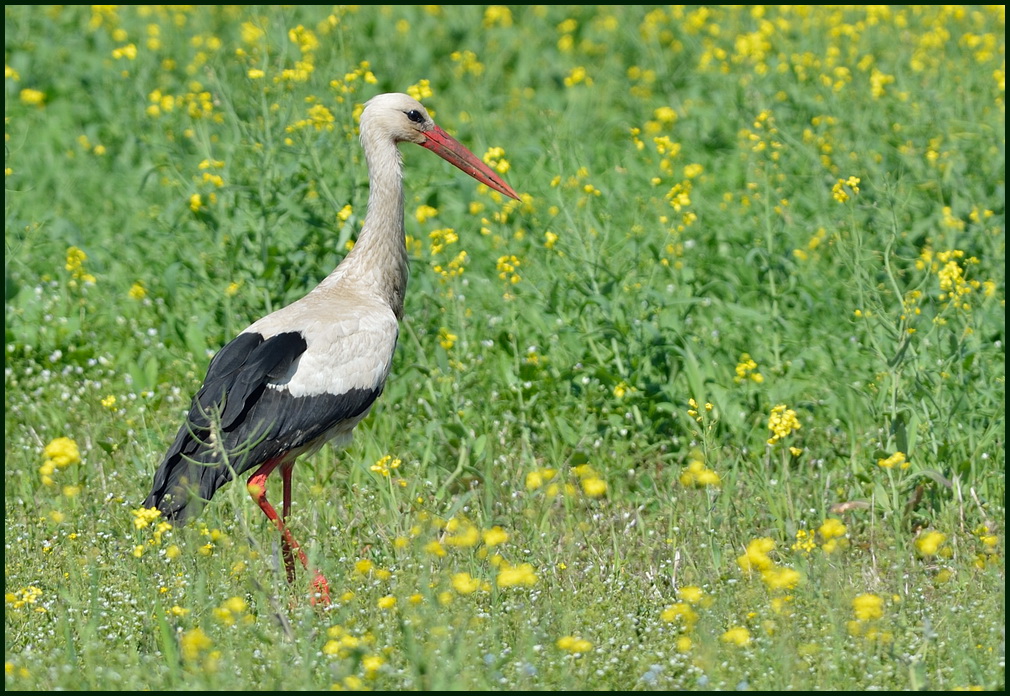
pixel 456 154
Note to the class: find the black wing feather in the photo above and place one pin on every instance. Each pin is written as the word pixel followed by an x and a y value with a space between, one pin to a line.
pixel 254 423
pixel 235 376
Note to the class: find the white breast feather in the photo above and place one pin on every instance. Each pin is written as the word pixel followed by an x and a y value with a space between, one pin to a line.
pixel 349 351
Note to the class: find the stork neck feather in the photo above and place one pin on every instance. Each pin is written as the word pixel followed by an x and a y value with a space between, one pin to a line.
pixel 378 262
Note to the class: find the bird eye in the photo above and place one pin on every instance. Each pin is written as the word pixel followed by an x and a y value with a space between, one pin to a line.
pixel 415 116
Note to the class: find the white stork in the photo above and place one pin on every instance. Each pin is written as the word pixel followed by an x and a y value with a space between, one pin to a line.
pixel 308 373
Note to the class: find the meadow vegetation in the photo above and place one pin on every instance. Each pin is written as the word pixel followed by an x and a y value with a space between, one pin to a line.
pixel 719 404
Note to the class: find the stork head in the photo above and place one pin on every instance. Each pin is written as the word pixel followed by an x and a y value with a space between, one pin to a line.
pixel 402 118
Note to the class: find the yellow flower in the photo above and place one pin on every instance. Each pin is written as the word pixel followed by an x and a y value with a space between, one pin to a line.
pixel 697 475
pixel 497 15
pixel 896 459
pixel 251 34
pixel 434 548
pixel 495 157
pixel 371 664
pixel 446 339
pixel 781 578
pixel 680 612
pixel 420 91
pixel 236 605
pixel 145 516
pixel 577 76
pixel 462 534
pixel 534 480
pixel 692 171
pixel 738 635
pixel 464 584
pixel 305 39
pixel 129 51
pixel 137 291
pixel 33 97
pixel 756 556
pixel 386 465
pixel 839 192
pixel 62 452
pixel 929 543
pixel 387 602
pixel 594 486
pixel 831 528
pixel 868 607
pixel 665 114
pixel 692 594
pixel 782 422
pixel 510 576
pixel 26 595
pixel 574 644
pixel 747 369
pixel 75 264
pixel 232 611
pixel 494 536
pixel 193 642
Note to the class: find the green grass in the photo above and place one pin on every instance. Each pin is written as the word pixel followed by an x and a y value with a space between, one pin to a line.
pixel 584 385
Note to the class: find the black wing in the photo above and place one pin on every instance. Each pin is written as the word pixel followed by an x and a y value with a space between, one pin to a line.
pixel 236 423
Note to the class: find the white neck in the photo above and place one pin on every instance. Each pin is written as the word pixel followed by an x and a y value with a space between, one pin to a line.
pixel 378 262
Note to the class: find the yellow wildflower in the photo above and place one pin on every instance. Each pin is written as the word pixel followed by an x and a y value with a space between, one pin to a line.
pixel 464 584
pixel 697 475
pixel 929 543
pixel 680 612
pixel 497 15
pixel 831 528
pixel 33 97
pixel 738 635
pixel 574 644
pixel 782 422
pixel 510 576
pixel 867 607
pixel 692 594
pixel 896 459
pixel 840 190
pixel 781 578
pixel 494 536
pixel 145 516
pixel 193 642
pixel 62 452
pixel 594 486
pixel 446 339
pixel 756 556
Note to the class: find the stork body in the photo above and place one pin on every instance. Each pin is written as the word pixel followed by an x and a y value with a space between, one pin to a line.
pixel 308 373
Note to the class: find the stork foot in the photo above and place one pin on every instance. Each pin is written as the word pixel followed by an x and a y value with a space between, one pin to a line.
pixel 320 591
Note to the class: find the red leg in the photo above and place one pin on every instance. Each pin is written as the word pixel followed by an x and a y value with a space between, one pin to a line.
pixel 289 561
pixel 257 487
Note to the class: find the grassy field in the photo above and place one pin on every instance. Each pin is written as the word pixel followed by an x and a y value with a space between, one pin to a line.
pixel 718 405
